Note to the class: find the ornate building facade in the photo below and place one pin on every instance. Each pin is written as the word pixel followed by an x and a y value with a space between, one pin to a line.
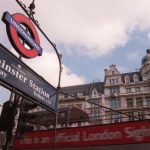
pixel 121 97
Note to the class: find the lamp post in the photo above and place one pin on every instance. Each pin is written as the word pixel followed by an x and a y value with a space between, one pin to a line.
pixel 30 13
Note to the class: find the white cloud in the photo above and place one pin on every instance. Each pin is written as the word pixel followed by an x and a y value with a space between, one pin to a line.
pixel 85 27
pixel 94 27
pixel 47 66
pixel 70 78
pixel 148 36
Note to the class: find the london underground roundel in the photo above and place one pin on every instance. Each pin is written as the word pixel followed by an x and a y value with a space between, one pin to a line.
pixel 19 36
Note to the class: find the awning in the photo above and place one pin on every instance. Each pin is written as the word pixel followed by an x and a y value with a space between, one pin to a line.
pixel 66 115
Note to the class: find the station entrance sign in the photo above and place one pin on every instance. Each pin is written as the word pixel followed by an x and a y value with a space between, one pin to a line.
pixel 15 28
pixel 17 74
pixel 25 40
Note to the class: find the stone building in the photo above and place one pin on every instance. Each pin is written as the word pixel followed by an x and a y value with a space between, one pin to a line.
pixel 121 97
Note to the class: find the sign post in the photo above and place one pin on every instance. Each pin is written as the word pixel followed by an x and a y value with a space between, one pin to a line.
pixel 19 76
pixel 13 24
pixel 58 56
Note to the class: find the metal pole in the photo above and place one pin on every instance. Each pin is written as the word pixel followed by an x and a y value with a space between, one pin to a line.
pixel 56 119
pixel 32 6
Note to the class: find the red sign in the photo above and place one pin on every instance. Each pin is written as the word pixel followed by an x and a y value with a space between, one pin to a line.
pixel 29 35
pixel 122 133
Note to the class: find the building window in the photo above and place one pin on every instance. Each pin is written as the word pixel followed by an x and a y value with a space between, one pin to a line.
pixel 113 72
pixel 148 101
pixel 79 106
pixel 148 115
pixel 139 102
pixel 115 103
pixel 115 118
pixel 129 102
pixel 80 94
pixel 110 81
pixel 71 105
pixel 146 88
pixel 114 90
pixel 95 114
pixel 95 103
pixel 127 79
pixel 128 90
pixel 113 80
pixel 117 80
pixel 135 78
pixel 137 89
pixel 94 93
pixel 140 115
pixel 131 116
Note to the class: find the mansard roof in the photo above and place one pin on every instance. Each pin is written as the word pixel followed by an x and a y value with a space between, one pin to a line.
pixel 84 88
pixel 131 75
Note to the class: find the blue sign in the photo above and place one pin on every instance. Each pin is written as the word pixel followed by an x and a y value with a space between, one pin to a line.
pixel 18 75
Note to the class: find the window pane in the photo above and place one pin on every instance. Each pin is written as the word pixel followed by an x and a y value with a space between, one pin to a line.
pixel 128 90
pixel 116 118
pixel 115 103
pixel 139 102
pixel 131 116
pixel 147 100
pixel 129 102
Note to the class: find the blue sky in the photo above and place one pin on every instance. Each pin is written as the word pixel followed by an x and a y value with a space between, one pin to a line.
pixel 90 35
pixel 127 58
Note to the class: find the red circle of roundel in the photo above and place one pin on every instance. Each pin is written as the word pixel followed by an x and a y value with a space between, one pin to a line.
pixel 21 19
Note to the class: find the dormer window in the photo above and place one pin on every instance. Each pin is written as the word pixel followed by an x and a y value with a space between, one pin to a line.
pixel 127 79
pixel 113 80
pixel 135 78
pixel 80 93
pixel 113 72
pixel 94 93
